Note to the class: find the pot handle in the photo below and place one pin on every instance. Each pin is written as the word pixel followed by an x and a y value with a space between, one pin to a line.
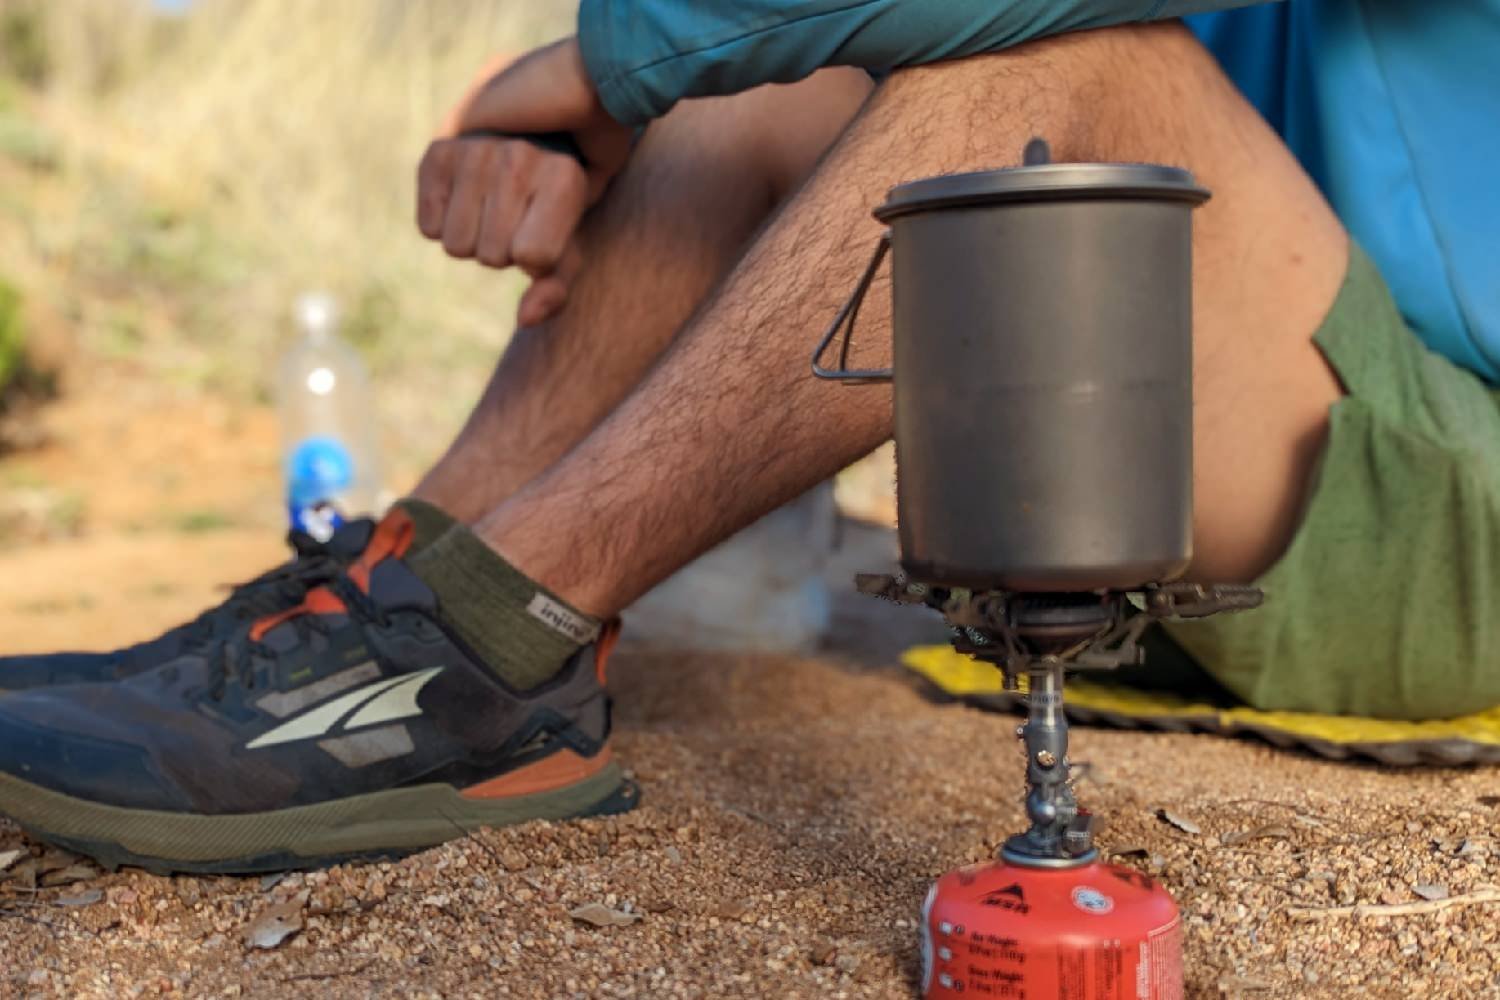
pixel 845 321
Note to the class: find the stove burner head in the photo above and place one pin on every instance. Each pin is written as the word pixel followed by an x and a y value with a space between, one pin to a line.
pixel 1050 624
pixel 1096 630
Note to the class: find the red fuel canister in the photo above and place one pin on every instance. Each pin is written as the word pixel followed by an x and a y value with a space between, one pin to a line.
pixel 1092 932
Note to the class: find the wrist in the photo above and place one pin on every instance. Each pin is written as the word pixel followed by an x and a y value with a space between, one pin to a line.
pixel 547 90
pixel 586 97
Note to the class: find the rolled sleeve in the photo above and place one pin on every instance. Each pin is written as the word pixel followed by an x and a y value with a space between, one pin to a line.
pixel 645 55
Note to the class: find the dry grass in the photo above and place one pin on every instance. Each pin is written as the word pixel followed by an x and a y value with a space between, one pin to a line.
pixel 168 184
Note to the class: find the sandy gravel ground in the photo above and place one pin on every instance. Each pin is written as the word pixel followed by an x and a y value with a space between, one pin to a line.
pixel 794 813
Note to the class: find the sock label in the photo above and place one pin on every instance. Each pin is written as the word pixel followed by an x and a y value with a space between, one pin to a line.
pixel 562 619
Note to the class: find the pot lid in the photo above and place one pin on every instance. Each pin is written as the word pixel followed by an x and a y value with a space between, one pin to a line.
pixel 1044 182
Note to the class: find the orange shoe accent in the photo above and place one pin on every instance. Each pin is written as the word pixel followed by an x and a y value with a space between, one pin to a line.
pixel 392 537
pixel 321 601
pixel 609 634
pixel 557 771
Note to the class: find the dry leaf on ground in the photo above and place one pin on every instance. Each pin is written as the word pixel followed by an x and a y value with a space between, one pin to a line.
pixel 603 916
pixel 1181 822
pixel 69 875
pixel 1259 833
pixel 276 923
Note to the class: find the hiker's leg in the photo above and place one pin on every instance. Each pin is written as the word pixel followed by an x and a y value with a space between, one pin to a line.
pixel 701 182
pixel 730 424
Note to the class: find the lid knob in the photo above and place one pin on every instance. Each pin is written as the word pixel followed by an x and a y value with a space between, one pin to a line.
pixel 1037 153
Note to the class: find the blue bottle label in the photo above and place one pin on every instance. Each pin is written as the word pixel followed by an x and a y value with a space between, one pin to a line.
pixel 320 519
pixel 318 470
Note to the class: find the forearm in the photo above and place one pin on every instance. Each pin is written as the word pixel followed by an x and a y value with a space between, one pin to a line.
pixel 645 55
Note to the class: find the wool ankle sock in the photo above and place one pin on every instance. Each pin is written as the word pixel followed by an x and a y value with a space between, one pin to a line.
pixel 523 633
pixel 429 522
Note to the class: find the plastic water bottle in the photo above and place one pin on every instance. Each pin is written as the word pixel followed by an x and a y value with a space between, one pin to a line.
pixel 328 450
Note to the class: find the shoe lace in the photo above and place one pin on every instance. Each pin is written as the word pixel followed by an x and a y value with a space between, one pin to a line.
pixel 233 659
pixel 272 591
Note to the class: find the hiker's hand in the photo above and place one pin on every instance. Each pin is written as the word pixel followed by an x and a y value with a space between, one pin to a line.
pixel 507 202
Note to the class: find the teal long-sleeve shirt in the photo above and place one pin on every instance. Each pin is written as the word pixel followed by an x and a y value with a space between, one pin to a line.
pixel 1392 106
pixel 645 55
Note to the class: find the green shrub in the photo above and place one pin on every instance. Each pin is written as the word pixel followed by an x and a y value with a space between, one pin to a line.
pixel 27 144
pixel 12 336
pixel 23 44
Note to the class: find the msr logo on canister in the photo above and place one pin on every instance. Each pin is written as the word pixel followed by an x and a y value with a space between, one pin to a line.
pixel 1091 900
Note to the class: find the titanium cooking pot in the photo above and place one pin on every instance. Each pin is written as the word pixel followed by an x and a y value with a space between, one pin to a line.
pixel 1042 362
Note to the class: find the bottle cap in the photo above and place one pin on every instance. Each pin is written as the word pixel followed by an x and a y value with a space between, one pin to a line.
pixel 317 312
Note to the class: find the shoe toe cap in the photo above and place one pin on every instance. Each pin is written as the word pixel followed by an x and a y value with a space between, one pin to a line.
pixel 21 673
pixel 45 742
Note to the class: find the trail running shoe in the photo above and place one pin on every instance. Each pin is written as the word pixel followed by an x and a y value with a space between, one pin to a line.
pixel 352 726
pixel 313 563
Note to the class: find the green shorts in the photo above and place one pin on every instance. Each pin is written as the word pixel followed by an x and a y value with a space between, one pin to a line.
pixel 1387 602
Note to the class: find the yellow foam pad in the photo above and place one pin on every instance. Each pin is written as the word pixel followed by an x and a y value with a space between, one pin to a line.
pixel 1465 739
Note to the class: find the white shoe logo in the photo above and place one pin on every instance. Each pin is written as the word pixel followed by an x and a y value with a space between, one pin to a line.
pixel 382 701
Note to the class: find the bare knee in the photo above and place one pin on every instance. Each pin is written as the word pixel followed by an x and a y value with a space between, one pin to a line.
pixel 1095 95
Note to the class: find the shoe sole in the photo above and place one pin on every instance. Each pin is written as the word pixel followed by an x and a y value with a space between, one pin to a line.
pixel 378 825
